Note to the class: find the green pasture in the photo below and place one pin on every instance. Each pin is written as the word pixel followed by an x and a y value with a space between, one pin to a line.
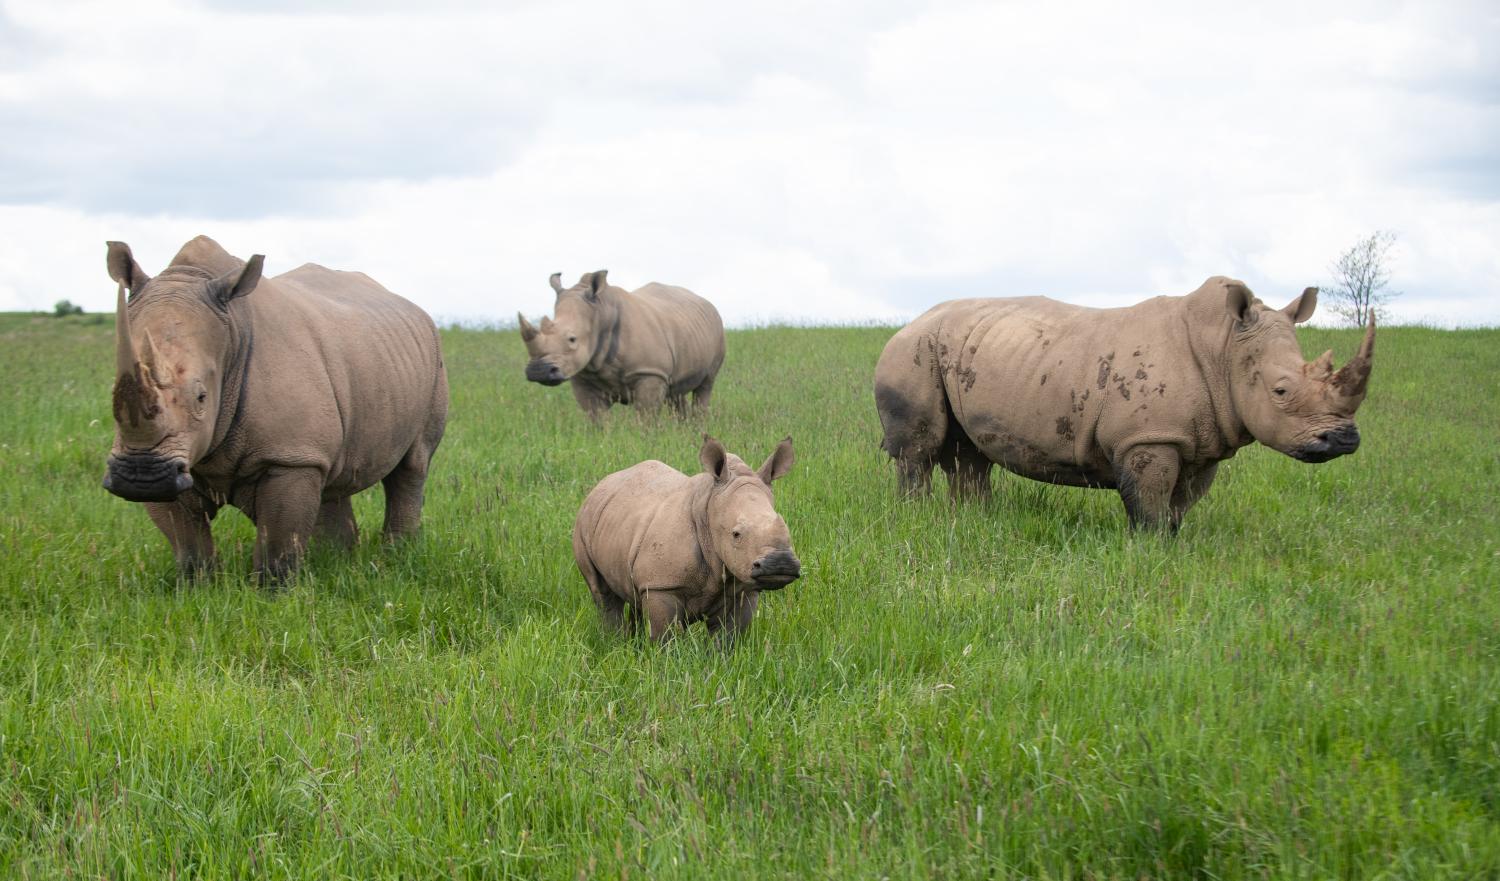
pixel 1305 683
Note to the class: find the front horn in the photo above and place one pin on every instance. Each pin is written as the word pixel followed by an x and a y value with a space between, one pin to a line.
pixel 1352 378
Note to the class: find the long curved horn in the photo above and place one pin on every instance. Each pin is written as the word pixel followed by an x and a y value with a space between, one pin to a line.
pixel 125 357
pixel 1352 378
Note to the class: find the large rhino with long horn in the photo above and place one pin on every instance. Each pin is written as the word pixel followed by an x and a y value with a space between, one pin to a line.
pixel 1147 399
pixel 642 347
pixel 280 396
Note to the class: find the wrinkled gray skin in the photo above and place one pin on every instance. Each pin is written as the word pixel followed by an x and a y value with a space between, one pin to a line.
pixel 676 549
pixel 1147 399
pixel 656 343
pixel 280 396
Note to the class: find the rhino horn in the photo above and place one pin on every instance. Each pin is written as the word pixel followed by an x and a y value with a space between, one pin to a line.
pixel 1352 378
pixel 125 357
pixel 528 333
pixel 151 361
pixel 556 282
pixel 546 324
pixel 1323 367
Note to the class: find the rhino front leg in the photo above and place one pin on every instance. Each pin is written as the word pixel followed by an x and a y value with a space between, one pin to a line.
pixel 1191 486
pixel 185 523
pixel 1147 477
pixel 733 617
pixel 591 401
pixel 336 523
pixel 665 613
pixel 647 394
pixel 287 501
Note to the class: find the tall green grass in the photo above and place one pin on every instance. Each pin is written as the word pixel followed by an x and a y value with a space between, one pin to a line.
pixel 1305 683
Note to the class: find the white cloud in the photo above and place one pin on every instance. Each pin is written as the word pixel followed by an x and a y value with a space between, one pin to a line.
pixel 845 163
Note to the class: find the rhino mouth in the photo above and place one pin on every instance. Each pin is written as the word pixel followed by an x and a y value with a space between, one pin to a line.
pixel 545 373
pixel 1329 445
pixel 775 570
pixel 144 477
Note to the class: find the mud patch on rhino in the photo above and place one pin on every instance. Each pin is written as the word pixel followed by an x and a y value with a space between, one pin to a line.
pixel 1065 428
pixel 1141 460
pixel 133 401
pixel 1044 380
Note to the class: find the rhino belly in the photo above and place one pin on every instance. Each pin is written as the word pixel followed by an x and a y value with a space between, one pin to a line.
pixel 1032 454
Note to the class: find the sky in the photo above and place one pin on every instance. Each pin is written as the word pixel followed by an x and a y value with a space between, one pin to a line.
pixel 796 161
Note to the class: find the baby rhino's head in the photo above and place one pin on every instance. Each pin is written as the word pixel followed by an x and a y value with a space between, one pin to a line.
pixel 744 529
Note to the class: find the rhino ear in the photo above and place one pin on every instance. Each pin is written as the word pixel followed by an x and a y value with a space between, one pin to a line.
pixel 597 283
pixel 556 282
pixel 1239 302
pixel 237 282
pixel 123 268
pixel 779 462
pixel 715 458
pixel 1301 309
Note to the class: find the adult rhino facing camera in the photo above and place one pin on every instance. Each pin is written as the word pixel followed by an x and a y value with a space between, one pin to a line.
pixel 1147 399
pixel 280 396
pixel 643 347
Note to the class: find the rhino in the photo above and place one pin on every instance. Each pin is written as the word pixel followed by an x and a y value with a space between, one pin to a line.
pixel 676 549
pixel 642 347
pixel 280 396
pixel 1146 400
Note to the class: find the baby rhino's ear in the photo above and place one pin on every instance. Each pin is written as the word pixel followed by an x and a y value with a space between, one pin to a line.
pixel 779 463
pixel 715 458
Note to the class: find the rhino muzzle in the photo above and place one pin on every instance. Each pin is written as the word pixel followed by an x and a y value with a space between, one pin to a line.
pixel 776 570
pixel 1329 445
pixel 143 477
pixel 545 373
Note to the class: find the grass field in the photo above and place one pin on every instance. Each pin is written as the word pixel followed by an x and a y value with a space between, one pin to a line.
pixel 1304 684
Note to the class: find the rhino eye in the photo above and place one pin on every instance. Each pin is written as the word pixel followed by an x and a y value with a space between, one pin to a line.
pixel 1279 392
pixel 735 533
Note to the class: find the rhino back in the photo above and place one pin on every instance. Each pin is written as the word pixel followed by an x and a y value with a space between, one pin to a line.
pixel 672 332
pixel 1053 391
pixel 344 375
pixel 637 528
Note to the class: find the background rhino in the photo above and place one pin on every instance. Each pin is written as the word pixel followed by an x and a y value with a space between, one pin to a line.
pixel 1147 399
pixel 681 549
pixel 638 347
pixel 282 404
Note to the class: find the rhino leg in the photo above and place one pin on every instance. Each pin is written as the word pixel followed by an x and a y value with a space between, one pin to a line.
pixel 591 401
pixel 733 616
pixel 406 484
pixel 702 394
pixel 1147 477
pixel 647 394
pixel 665 612
pixel 336 523
pixel 185 523
pixel 679 405
pixel 913 407
pixel 967 468
pixel 611 607
pixel 287 501
pixel 1191 486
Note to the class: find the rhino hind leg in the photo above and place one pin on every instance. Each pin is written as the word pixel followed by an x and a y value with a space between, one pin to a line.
pixel 967 468
pixel 336 523
pixel 702 395
pixel 185 523
pixel 406 484
pixel 915 429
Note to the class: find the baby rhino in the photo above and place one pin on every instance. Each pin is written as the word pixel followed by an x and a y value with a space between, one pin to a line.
pixel 681 549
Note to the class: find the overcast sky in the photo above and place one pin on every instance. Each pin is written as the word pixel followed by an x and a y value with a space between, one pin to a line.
pixel 841 161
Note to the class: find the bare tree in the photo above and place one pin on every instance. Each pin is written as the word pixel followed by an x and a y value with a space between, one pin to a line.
pixel 1361 279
